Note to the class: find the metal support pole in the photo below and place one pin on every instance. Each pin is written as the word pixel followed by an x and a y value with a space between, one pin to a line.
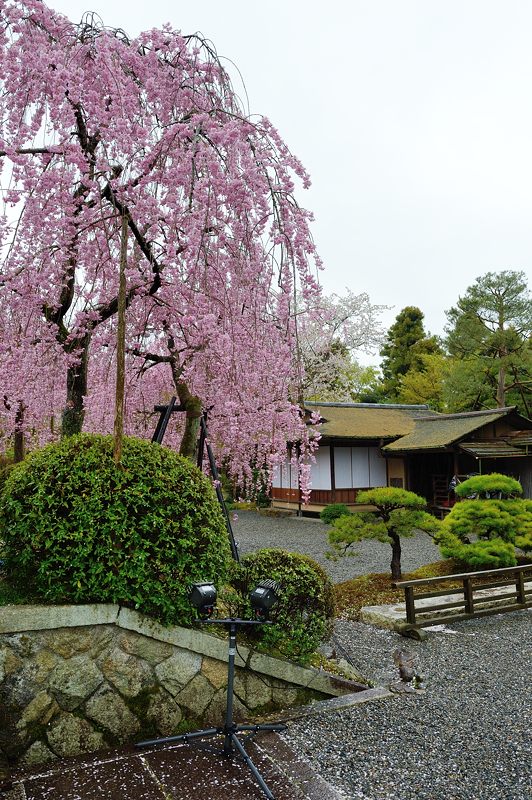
pixel 229 726
pixel 231 742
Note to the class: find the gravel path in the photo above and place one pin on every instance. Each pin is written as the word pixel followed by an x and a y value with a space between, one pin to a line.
pixel 307 535
pixel 467 736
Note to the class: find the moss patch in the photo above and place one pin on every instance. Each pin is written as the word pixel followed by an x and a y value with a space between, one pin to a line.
pixel 376 589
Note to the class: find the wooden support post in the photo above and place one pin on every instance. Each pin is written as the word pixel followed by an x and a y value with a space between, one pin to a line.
pixel 520 587
pixel 468 596
pixel 410 605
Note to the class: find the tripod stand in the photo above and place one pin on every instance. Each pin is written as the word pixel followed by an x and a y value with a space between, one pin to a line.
pixel 230 729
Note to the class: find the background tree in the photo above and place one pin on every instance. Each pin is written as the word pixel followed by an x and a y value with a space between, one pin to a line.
pixel 337 327
pixel 406 344
pixel 97 128
pixel 397 513
pixel 489 333
pixel 426 384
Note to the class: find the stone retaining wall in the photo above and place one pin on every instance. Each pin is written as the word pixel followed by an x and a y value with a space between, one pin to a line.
pixel 74 679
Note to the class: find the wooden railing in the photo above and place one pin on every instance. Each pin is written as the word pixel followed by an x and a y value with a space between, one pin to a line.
pixel 519 596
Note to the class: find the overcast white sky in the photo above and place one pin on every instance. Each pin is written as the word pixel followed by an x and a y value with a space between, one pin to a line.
pixel 413 117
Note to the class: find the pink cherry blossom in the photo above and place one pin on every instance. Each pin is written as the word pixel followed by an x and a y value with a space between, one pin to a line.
pixel 95 126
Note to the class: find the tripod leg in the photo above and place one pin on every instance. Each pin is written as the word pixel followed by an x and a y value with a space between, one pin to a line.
pixel 252 767
pixel 183 737
pixel 268 726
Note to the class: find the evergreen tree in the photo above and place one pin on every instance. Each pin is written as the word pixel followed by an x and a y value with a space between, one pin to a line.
pixel 490 335
pixel 406 344
pixel 397 513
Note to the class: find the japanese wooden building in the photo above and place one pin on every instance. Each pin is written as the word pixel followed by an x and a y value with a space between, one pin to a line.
pixel 363 446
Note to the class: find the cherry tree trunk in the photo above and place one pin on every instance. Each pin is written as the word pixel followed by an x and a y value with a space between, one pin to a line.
pixel 19 440
pixel 121 349
pixel 192 405
pixel 74 412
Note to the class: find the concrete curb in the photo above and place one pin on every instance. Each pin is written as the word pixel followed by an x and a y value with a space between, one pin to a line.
pixel 334 705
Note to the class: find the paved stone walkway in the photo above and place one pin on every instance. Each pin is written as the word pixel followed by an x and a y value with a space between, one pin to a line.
pixel 174 772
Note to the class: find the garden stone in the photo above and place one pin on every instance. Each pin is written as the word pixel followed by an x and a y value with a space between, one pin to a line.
pixel 127 673
pixel 196 695
pixel 252 690
pixel 109 710
pixel 215 713
pixel 149 650
pixel 9 662
pixel 38 753
pixel 177 671
pixel 24 646
pixel 45 661
pixel 74 680
pixel 215 672
pixel 20 685
pixel 40 710
pixel 164 712
pixel 70 736
pixel 284 695
pixel 68 642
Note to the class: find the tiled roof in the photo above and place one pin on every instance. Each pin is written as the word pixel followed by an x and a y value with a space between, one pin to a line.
pixel 366 420
pixel 443 430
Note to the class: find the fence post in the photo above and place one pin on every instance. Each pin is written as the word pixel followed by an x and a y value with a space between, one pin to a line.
pixel 468 596
pixel 520 586
pixel 410 606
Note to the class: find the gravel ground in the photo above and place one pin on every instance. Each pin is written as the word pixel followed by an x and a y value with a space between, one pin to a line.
pixel 307 535
pixel 466 736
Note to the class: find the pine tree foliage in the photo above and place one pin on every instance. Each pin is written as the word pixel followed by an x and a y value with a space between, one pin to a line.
pixel 489 334
pixel 489 526
pixel 397 513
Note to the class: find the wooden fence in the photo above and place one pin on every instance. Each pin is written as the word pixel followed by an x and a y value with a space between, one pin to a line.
pixel 514 579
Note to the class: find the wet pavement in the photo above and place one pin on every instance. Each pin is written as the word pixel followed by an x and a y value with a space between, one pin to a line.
pixel 173 772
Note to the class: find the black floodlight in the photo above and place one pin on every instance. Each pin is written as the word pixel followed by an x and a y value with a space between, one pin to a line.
pixel 263 597
pixel 203 597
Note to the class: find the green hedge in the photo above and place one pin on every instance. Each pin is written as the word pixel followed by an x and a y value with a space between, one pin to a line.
pixel 334 511
pixel 77 528
pixel 304 612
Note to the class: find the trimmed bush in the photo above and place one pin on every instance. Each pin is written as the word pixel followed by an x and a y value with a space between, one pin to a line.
pixel 334 511
pixel 303 614
pixel 488 487
pixel 484 531
pixel 78 528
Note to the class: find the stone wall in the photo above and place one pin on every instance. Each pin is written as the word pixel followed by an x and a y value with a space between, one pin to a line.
pixel 75 679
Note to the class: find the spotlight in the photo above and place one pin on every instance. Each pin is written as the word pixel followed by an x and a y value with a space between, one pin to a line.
pixel 203 598
pixel 263 597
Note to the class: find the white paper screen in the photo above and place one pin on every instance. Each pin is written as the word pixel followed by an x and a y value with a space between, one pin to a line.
pixel 320 472
pixel 360 467
pixel 342 468
pixel 377 468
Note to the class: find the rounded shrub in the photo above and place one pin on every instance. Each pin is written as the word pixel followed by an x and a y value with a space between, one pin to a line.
pixel 336 510
pixel 303 615
pixel 487 487
pixel 485 531
pixel 79 528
